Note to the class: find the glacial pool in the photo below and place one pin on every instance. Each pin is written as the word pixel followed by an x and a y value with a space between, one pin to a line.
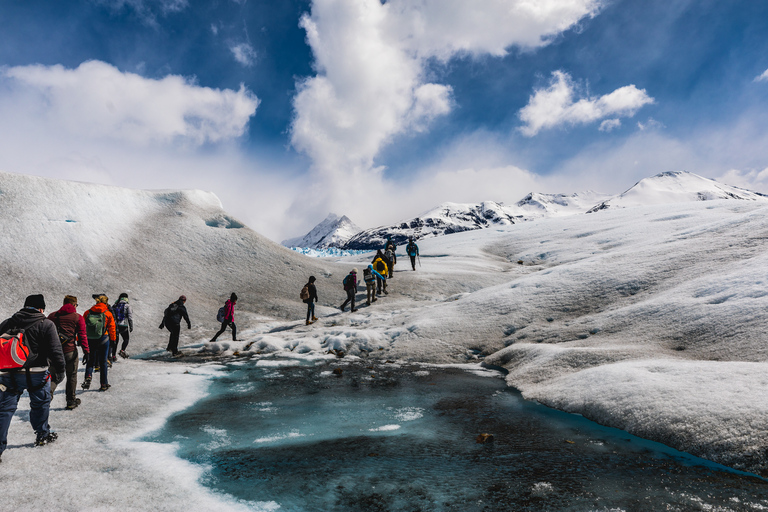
pixel 388 437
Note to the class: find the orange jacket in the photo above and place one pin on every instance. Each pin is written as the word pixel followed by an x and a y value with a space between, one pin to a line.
pixel 100 307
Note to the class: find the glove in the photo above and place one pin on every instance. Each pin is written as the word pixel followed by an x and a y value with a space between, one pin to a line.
pixel 85 357
pixel 161 326
pixel 58 377
pixel 130 329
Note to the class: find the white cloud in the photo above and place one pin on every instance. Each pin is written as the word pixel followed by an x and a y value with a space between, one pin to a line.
pixel 147 10
pixel 371 84
pixel 96 100
pixel 555 106
pixel 243 53
pixel 650 124
pixel 763 77
pixel 609 125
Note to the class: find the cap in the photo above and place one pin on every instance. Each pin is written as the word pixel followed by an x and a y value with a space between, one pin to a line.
pixel 35 301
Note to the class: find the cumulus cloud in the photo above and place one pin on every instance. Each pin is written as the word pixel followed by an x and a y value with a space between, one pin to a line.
pixel 555 106
pixel 763 77
pixel 243 53
pixel 370 59
pixel 96 100
pixel 609 125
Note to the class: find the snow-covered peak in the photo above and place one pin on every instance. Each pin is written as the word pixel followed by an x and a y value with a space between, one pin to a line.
pixel 676 187
pixel 536 205
pixel 331 232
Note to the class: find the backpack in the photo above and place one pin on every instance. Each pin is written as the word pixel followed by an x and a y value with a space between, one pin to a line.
pixel 304 295
pixel 367 275
pixel 95 325
pixel 15 351
pixel 348 282
pixel 119 311
pixel 221 313
pixel 411 249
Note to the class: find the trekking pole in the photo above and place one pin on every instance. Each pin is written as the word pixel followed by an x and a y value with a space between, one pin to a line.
pixel 419 258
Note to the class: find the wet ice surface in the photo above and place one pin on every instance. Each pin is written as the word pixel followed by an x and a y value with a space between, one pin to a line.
pixel 391 437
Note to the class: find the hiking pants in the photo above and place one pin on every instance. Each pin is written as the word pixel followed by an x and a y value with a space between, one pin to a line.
pixel 310 309
pixel 370 289
pixel 98 357
pixel 173 340
pixel 71 359
pixel 125 332
pixel 379 281
pixel 350 298
pixel 224 325
pixel 39 402
pixel 413 262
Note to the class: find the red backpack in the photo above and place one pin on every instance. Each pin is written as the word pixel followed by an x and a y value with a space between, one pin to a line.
pixel 14 351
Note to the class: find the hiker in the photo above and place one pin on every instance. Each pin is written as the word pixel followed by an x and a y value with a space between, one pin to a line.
pixel 380 266
pixel 308 295
pixel 412 250
pixel 40 334
pixel 370 276
pixel 228 317
pixel 350 286
pixel 100 329
pixel 172 317
pixel 390 255
pixel 70 327
pixel 123 314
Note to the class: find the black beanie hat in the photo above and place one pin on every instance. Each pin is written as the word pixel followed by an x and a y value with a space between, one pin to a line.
pixel 35 301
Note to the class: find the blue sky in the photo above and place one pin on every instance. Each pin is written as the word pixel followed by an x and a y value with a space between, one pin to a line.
pixel 289 110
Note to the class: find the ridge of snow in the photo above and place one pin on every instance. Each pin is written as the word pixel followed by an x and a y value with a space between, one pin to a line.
pixel 676 187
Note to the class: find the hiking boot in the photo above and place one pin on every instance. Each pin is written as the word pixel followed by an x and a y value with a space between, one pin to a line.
pixel 97 369
pixel 367 303
pixel 314 319
pixel 352 310
pixel 46 439
pixel 104 388
pixel 342 309
pixel 178 354
pixel 109 363
pixel 72 405
pixel 308 322
pixel 123 354
pixel 86 383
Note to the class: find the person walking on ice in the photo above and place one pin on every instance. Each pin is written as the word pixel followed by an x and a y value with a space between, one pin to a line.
pixel 172 316
pixel 124 319
pixel 350 286
pixel 71 330
pixel 370 276
pixel 413 251
pixel 380 266
pixel 100 329
pixel 33 376
pixel 227 318
pixel 308 295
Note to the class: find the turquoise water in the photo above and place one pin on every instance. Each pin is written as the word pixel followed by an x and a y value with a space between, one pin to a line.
pixel 404 438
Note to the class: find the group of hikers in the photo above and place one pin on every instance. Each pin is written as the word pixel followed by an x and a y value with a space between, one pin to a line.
pixel 375 276
pixel 37 353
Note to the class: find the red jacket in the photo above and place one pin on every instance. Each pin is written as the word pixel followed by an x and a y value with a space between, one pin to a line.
pixel 70 324
pixel 229 311
pixel 100 307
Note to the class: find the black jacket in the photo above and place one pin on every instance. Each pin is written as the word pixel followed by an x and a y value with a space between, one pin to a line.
pixel 172 316
pixel 312 293
pixel 42 337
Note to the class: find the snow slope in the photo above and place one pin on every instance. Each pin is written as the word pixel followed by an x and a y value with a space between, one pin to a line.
pixel 676 187
pixel 77 238
pixel 333 231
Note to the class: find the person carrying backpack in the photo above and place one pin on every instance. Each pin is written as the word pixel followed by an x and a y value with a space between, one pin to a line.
pixel 228 317
pixel 390 255
pixel 350 286
pixel 123 314
pixel 172 316
pixel 370 276
pixel 29 327
pixel 70 327
pixel 412 250
pixel 100 329
pixel 380 266
pixel 308 295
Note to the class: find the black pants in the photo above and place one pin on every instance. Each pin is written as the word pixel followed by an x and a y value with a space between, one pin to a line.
pixel 350 298
pixel 413 262
pixel 124 331
pixel 71 359
pixel 173 340
pixel 224 325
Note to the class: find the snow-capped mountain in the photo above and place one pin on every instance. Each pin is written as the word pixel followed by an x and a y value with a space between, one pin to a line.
pixel 456 217
pixel 676 187
pixel 443 220
pixel 334 231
